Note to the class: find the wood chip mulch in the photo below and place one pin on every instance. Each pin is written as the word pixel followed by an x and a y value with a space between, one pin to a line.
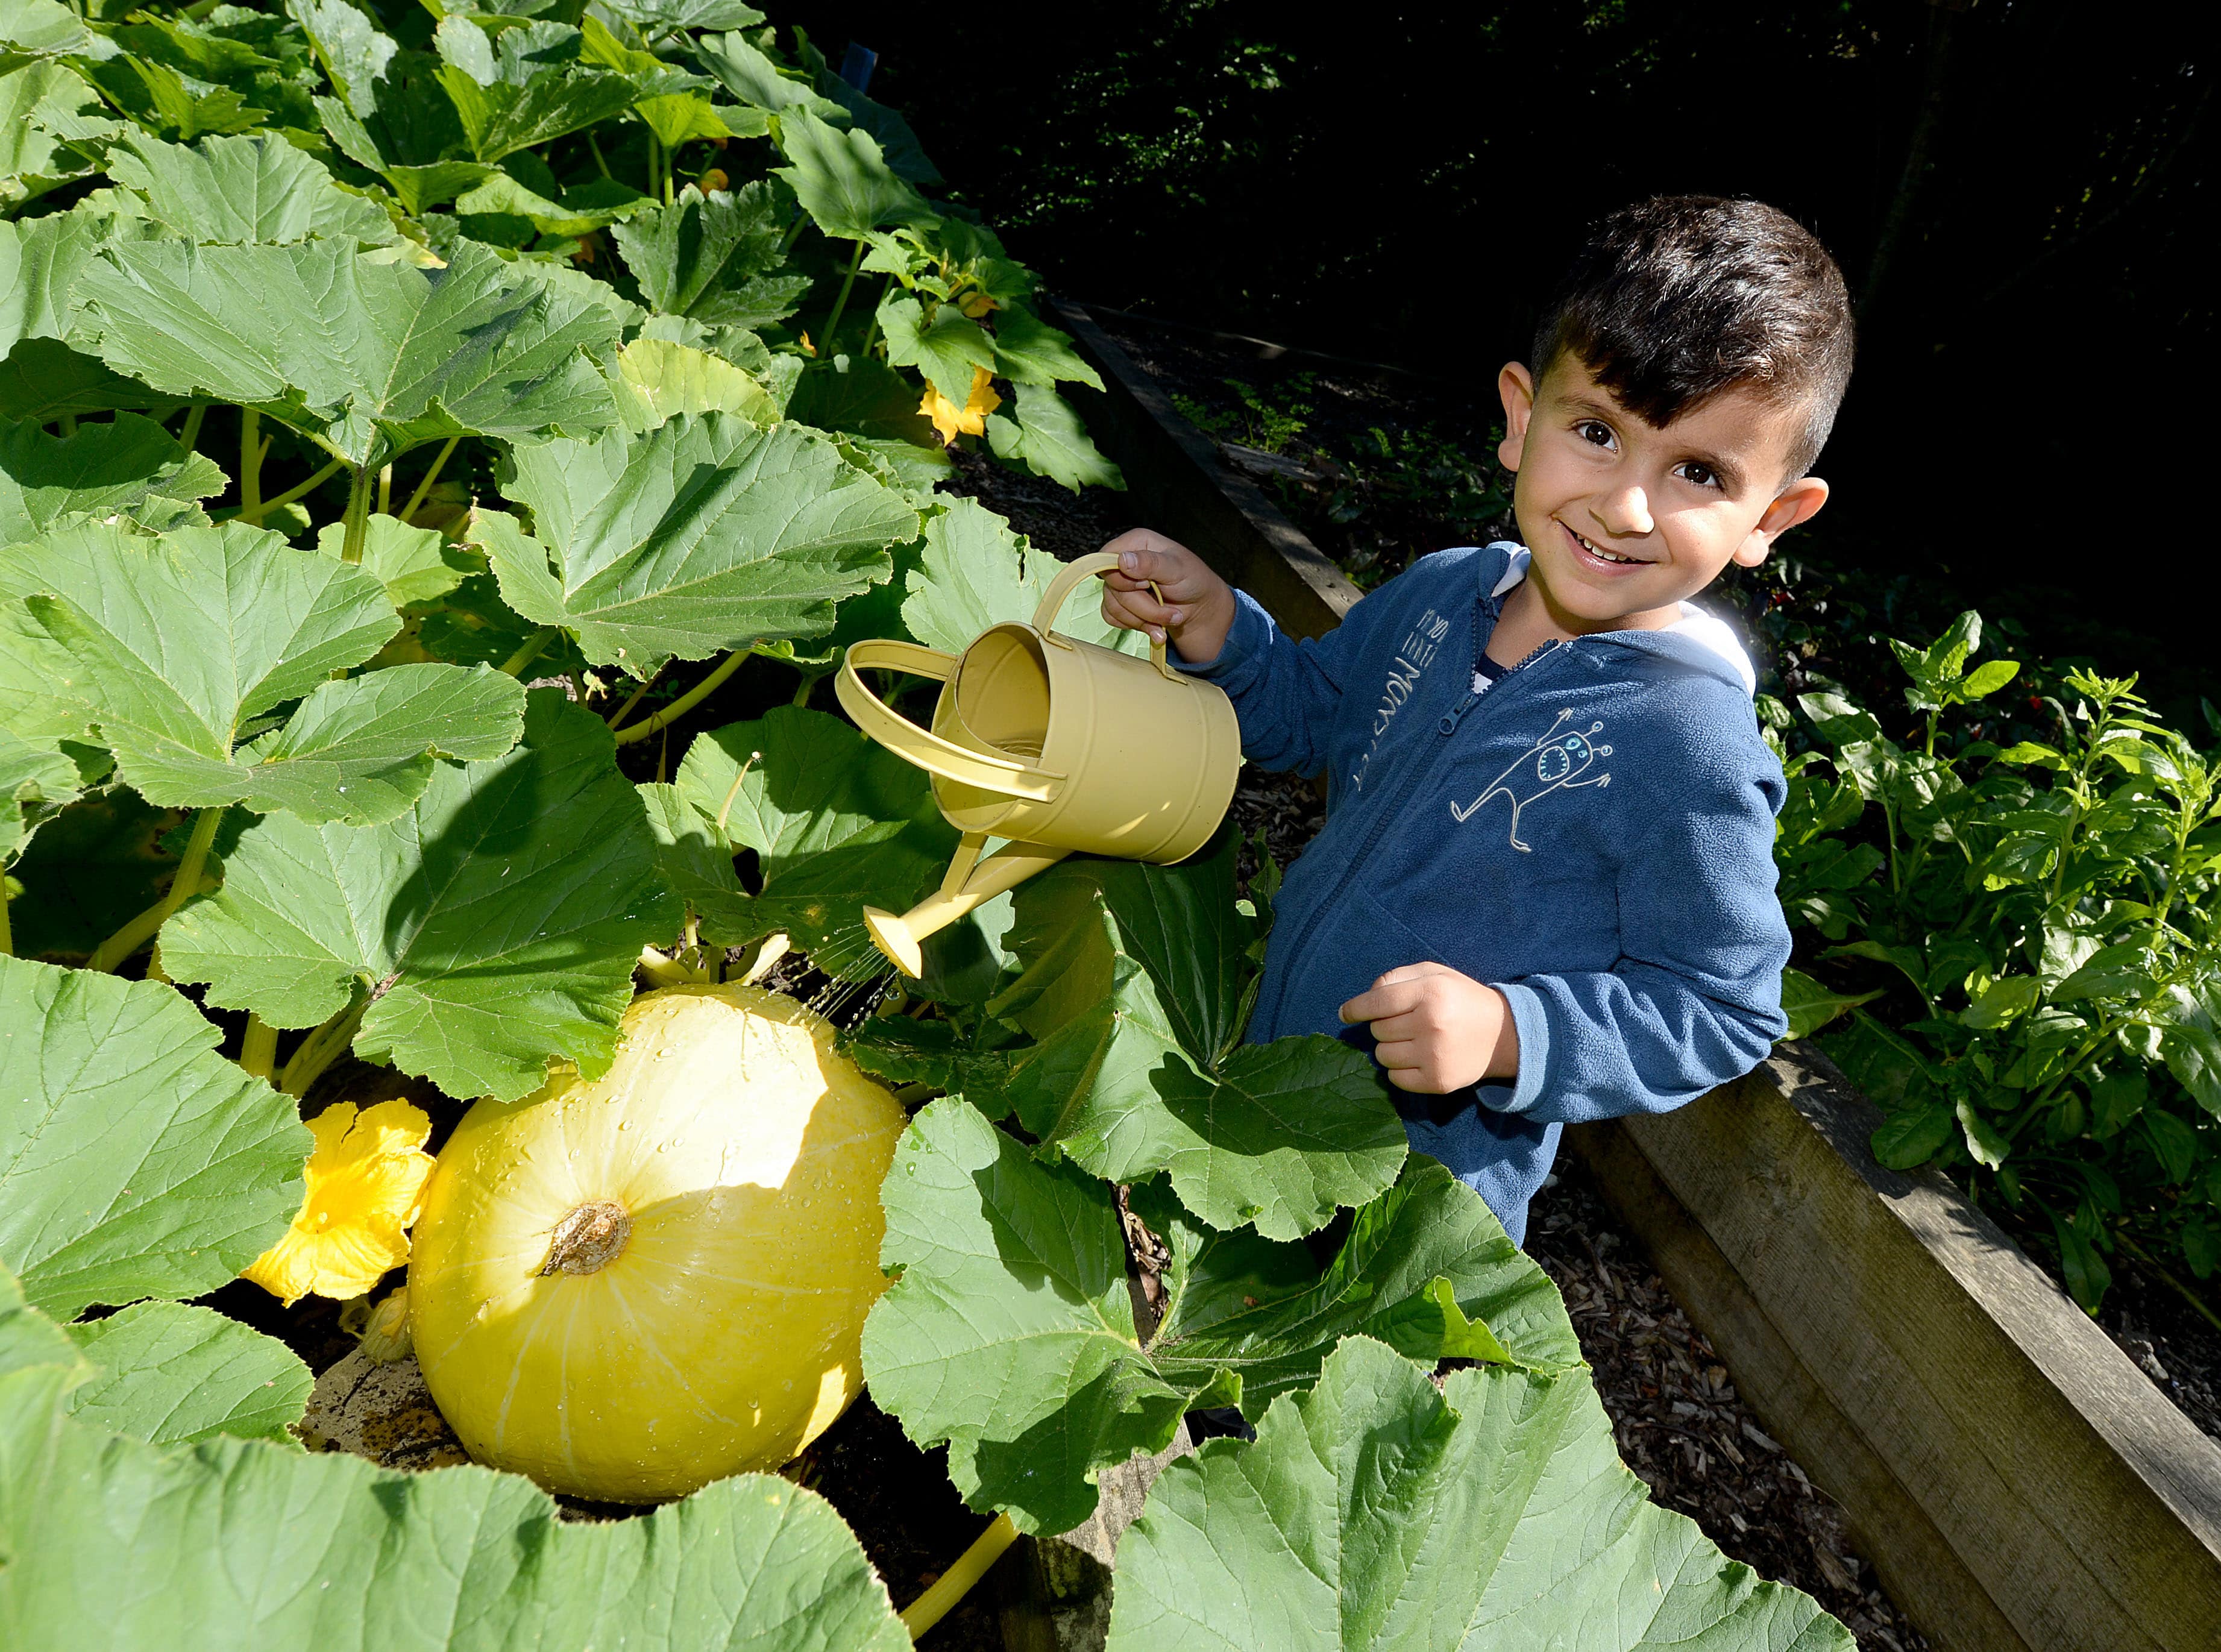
pixel 1681 1426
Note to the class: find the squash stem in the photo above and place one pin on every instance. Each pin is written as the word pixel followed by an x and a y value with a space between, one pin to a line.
pixel 258 1051
pixel 424 488
pixel 625 711
pixel 291 493
pixel 360 485
pixel 141 929
pixel 192 433
pixel 514 665
pixel 687 702
pixel 250 467
pixel 323 1046
pixel 930 1608
pixel 7 936
pixel 840 303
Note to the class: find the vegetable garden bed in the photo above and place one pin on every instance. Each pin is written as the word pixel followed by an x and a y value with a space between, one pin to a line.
pixel 445 453
pixel 1961 1545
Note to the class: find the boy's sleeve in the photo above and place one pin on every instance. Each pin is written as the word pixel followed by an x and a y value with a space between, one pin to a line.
pixel 1286 693
pixel 1695 1000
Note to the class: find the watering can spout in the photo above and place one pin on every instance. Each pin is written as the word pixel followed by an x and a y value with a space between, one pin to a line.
pixel 971 882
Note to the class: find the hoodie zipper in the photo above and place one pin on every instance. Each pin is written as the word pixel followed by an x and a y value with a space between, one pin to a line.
pixel 1420 771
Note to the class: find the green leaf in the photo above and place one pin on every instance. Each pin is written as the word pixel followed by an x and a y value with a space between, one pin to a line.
pixel 666 379
pixel 1374 1512
pixel 37 779
pixel 179 641
pixel 755 79
pixel 589 205
pixel 2173 1144
pixel 347 44
pixel 1010 1332
pixel 1811 1006
pixel 1913 1138
pixel 42 106
pixel 716 258
pixel 1983 1145
pixel 2002 1001
pixel 2111 972
pixel 415 564
pixel 2192 1053
pixel 1135 990
pixel 865 395
pixel 700 535
pixel 326 1549
pixel 98 470
pixel 43 379
pixel 238 189
pixel 666 16
pixel 170 1374
pixel 976 574
pixel 376 358
pixel 2088 1276
pixel 88 871
pixel 1029 351
pixel 835 822
pixel 29 1338
pixel 1048 437
pixel 501 116
pixel 496 923
pixel 42 261
pixel 947 351
pixel 1988 678
pixel 135 1161
pixel 841 179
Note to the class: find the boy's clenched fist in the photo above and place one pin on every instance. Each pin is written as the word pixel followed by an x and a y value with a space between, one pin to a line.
pixel 1196 609
pixel 1436 1030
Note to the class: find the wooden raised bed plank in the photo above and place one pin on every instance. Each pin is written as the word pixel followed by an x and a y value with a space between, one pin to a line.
pixel 2014 1478
pixel 2018 1483
pixel 1177 482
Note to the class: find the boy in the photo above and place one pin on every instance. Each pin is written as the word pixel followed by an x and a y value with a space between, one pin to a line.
pixel 1544 892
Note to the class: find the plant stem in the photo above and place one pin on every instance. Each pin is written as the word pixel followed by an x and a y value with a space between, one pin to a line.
pixel 192 433
pixel 258 1050
pixel 687 702
pixel 360 485
pixel 794 235
pixel 69 424
pixel 596 149
pixel 2189 1295
pixel 424 487
pixel 250 467
pixel 658 182
pixel 323 1046
pixel 385 489
pixel 141 929
pixel 625 711
pixel 930 1608
pixel 871 327
pixel 524 656
pixel 299 490
pixel 7 935
pixel 841 301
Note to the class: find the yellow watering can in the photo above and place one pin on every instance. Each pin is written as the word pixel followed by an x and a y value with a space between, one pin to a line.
pixel 1054 744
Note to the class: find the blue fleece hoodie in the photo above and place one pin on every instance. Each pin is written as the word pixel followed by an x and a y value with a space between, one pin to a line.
pixel 1592 836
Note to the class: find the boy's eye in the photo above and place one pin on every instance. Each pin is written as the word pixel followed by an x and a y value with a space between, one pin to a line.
pixel 1702 475
pixel 1595 430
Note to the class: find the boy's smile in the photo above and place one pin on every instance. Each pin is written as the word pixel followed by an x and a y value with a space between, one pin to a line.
pixel 1626 519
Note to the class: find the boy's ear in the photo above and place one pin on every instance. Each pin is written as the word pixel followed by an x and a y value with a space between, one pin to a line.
pixel 1516 385
pixel 1798 503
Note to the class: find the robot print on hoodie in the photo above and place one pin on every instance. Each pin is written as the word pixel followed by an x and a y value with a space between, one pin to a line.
pixel 1554 763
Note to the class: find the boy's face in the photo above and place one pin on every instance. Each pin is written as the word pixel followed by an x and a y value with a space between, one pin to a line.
pixel 1626 519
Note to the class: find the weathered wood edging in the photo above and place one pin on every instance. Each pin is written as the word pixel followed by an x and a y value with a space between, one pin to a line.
pixel 2018 1483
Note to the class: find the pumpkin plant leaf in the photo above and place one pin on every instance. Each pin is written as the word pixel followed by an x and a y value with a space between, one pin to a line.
pixel 42 379
pixel 524 86
pixel 37 780
pixel 178 641
pixel 494 924
pixel 716 258
pixel 1374 1512
pixel 135 1161
pixel 1029 351
pixel 948 350
pixel 89 870
pixel 842 180
pixel 43 107
pixel 415 564
pixel 377 357
pixel 398 1560
pixel 751 75
pixel 1135 989
pixel 665 379
pixel 1047 436
pixel 836 822
pixel 43 261
pixel 700 535
pixel 170 1373
pixel 668 16
pixel 1010 1333
pixel 231 191
pixel 97 470
pixel 975 573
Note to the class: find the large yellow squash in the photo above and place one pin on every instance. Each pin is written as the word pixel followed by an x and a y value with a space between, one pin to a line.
pixel 630 1288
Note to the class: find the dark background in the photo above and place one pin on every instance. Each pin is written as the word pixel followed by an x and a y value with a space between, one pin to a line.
pixel 2014 191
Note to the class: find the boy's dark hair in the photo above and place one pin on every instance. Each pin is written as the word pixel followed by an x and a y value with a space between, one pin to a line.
pixel 1675 299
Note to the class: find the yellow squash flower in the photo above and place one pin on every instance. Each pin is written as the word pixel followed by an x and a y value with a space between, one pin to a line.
pixel 971 419
pixel 976 304
pixel 365 1183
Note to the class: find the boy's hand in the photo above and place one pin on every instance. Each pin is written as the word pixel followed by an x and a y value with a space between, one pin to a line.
pixel 1436 1030
pixel 1198 610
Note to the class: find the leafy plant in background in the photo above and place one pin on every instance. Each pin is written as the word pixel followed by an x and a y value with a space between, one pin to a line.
pixel 2024 938
pixel 275 282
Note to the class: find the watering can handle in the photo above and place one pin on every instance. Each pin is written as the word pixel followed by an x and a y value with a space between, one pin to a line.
pixel 928 751
pixel 1065 584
